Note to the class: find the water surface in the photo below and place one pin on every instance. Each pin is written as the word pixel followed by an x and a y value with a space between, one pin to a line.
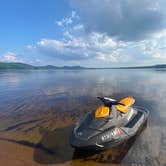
pixel 39 107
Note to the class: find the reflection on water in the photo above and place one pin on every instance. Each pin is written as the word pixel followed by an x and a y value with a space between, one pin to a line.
pixel 39 108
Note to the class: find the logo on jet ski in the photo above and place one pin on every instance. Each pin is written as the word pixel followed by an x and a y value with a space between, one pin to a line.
pixel 79 133
pixel 107 136
pixel 110 135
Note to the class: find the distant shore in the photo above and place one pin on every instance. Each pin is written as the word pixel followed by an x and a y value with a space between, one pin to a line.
pixel 15 65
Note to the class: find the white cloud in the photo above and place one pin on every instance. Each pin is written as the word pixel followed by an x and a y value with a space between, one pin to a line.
pixel 30 46
pixel 9 57
pixel 77 45
pixel 80 44
pixel 155 46
pixel 101 57
pixel 128 20
pixel 64 21
pixel 67 20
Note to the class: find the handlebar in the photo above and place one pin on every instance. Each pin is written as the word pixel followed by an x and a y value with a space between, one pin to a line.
pixel 109 101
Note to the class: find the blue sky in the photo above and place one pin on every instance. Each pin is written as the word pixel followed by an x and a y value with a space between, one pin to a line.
pixel 89 33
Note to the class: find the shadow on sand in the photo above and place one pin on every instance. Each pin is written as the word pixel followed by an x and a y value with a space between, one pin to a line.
pixel 60 151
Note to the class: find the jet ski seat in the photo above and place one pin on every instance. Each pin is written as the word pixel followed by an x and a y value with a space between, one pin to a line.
pixel 127 103
pixel 102 111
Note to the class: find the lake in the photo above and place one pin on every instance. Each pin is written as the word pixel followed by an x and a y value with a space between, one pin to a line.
pixel 39 107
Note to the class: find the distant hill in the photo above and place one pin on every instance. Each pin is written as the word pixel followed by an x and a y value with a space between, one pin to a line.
pixel 56 67
pixel 160 66
pixel 145 67
pixel 13 65
pixel 4 65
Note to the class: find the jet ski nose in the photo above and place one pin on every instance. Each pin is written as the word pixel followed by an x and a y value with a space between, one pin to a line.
pixel 100 141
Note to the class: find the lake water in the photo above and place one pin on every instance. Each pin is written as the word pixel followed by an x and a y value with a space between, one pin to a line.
pixel 39 108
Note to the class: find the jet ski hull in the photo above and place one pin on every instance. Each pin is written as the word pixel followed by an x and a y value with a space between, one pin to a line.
pixel 103 140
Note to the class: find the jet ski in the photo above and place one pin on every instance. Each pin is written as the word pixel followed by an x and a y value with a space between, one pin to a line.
pixel 108 126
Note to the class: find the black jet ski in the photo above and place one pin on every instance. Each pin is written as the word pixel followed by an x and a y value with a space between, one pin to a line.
pixel 108 126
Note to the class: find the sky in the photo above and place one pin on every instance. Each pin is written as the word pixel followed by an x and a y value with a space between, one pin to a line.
pixel 93 33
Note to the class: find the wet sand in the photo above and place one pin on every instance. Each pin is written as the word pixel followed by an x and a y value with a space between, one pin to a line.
pixel 16 155
pixel 19 155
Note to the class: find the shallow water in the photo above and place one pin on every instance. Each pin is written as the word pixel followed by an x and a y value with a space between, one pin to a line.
pixel 38 109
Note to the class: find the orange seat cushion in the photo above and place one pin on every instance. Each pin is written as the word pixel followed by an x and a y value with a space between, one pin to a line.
pixel 128 102
pixel 102 111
